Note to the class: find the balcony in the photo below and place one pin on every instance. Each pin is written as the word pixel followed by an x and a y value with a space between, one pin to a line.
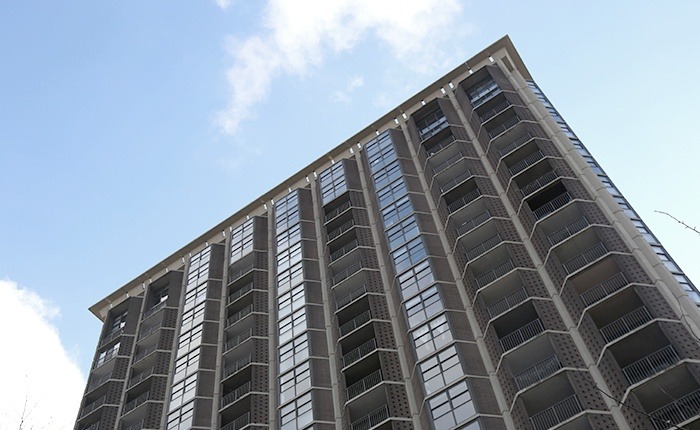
pixel 464 200
pixel 538 372
pixel 625 324
pixel 510 122
pixel 604 289
pixel 239 293
pixel 233 276
pixel 585 258
pixel 444 143
pixel 508 302
pixel 138 401
pixel 236 394
pixel 238 365
pixel 556 413
pixel 364 384
pixel 651 364
pixel 515 144
pixel 483 92
pixel 154 310
pixel 539 183
pixel 238 423
pixel 500 107
pixel 93 426
pixel 144 353
pixel 239 315
pixel 135 426
pixel 337 211
pixel 340 230
pixel 495 273
pixel 568 231
pixel 150 330
pixel 359 352
pixel 483 247
pixel 235 341
pixel 371 419
pixel 521 335
pixel 92 406
pixel 351 297
pixel 552 206
pixel 677 411
pixel 453 183
pixel 526 162
pixel 431 125
pixel 140 377
pixel 345 274
pixel 448 163
pixel 335 255
pixel 471 224
pixel 96 381
pixel 355 323
pixel 105 358
pixel 111 336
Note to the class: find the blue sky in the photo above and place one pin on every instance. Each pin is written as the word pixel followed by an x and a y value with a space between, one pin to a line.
pixel 129 128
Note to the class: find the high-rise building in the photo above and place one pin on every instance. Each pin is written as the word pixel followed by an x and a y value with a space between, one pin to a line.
pixel 461 263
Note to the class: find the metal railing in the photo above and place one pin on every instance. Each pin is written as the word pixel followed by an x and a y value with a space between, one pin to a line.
pixel 510 122
pixel 520 141
pixel 350 297
pixel 483 92
pixel 464 200
pixel 133 404
pixel 96 382
pixel 93 426
pixel 238 423
pixel 102 360
pixel 345 274
pixel 433 128
pixel 153 310
pixel 494 273
pixel 140 377
pixel 508 302
pixel 355 322
pixel 526 162
pixel 371 419
pixel 145 333
pixel 524 333
pixel 342 251
pixel 238 293
pixel 604 289
pixel 625 324
pixel 111 336
pixel 238 365
pixel 677 411
pixel 364 384
pixel 444 143
pixel 235 394
pixel 141 355
pixel 556 413
pixel 568 231
pixel 359 352
pixel 537 372
pixel 585 258
pixel 552 205
pixel 468 226
pixel 539 183
pixel 136 426
pixel 484 246
pixel 337 211
pixel 651 364
pixel 239 315
pixel 240 272
pixel 340 230
pixel 448 163
pixel 234 342
pixel 456 181
pixel 495 111
pixel 92 406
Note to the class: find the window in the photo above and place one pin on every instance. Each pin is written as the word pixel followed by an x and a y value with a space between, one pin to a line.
pixel 396 211
pixel 452 406
pixel 423 307
pixel 118 322
pixel 332 182
pixel 108 353
pixel 181 419
pixel 242 240
pixel 294 353
pixel 199 266
pixel 159 296
pixel 402 232
pixel 391 193
pixel 186 365
pixel 431 124
pixel 297 414
pixel 183 391
pixel 295 382
pixel 290 278
pixel 292 325
pixel 291 301
pixel 390 173
pixel 288 257
pixel 192 318
pixel 408 255
pixel 190 339
pixel 288 237
pixel 194 296
pixel 287 211
pixel 432 336
pixel 416 279
pixel 441 370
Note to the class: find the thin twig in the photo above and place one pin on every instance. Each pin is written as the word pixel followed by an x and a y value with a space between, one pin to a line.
pixel 679 222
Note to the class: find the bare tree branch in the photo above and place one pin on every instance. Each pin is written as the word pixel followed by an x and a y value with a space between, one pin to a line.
pixel 680 222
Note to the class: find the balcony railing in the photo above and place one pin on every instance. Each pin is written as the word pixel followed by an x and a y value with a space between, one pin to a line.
pixel 448 163
pixel 235 394
pixel 517 143
pixel 111 336
pixel 433 128
pixel 510 122
pixel 444 143
pixel 240 272
pixel 105 358
pixel 568 231
pixel 364 384
pixel 136 426
pixel 626 324
pixel 350 297
pixel 604 289
pixel 239 315
pixel 238 365
pixel 494 273
pixel 551 206
pixel 92 406
pixel 140 377
pixel 484 246
pixel 539 183
pixel 651 364
pixel 495 111
pixel 355 322
pixel 93 426
pixel 456 181
pixel 133 404
pixel 234 342
pixel 141 355
pixel 149 331
pixel 526 162
pixel 371 419
pixel 359 352
pixel 345 274
pixel 464 200
pixel 344 250
pixel 483 92
pixel 508 302
pixel 677 411
pixel 524 333
pixel 97 381
pixel 154 309
pixel 556 414
pixel 337 211
pixel 238 423
pixel 585 258
pixel 472 223
pixel 239 293
pixel 340 230
pixel 537 372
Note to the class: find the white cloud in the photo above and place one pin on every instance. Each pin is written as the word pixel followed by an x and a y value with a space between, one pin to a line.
pixel 343 95
pixel 223 4
pixel 37 368
pixel 298 34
